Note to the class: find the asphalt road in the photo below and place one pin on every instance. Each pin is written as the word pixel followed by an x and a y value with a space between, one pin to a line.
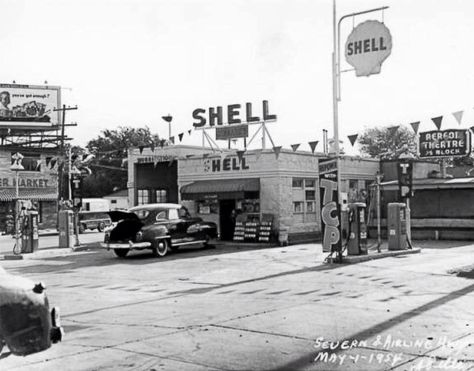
pixel 230 308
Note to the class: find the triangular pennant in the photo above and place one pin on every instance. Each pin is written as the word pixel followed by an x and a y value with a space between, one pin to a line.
pixel 313 145
pixel 258 153
pixel 84 156
pixel 155 163
pixel 277 151
pixel 393 130
pixel 180 137
pixel 162 143
pixel 294 147
pixel 141 148
pixel 189 131
pixel 458 116
pixel 240 155
pixel 352 138
pixel 38 165
pixel 52 163
pixel 415 126
pixel 172 140
pixel 437 121
pixel 48 160
pixel 152 147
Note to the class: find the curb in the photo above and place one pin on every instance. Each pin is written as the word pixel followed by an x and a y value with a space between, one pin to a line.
pixel 385 254
pixel 52 252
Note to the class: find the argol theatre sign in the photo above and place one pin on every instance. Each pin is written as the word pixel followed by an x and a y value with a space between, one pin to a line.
pixel 446 143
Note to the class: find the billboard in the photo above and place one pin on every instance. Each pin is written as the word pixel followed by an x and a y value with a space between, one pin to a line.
pixel 446 143
pixel 29 106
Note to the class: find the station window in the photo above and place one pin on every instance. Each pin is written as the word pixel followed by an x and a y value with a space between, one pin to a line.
pixel 143 197
pixel 309 183
pixel 310 207
pixel 161 195
pixel 310 195
pixel 298 207
pixel 297 183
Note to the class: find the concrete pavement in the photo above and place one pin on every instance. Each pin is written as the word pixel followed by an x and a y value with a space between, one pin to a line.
pixel 257 309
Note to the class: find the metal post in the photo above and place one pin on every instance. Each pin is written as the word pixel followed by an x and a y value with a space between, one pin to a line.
pixel 408 219
pixel 17 213
pixel 169 130
pixel 379 232
pixel 69 165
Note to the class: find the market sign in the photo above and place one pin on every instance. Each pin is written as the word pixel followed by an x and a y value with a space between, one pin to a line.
pixel 232 131
pixel 330 209
pixel 367 46
pixel 445 143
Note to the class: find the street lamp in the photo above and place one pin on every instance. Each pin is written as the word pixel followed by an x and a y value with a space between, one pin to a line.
pixel 16 167
pixel 168 119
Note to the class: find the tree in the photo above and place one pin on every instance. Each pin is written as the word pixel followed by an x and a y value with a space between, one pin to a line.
pixel 110 151
pixel 387 142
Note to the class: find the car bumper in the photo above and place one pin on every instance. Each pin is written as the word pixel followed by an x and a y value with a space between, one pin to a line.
pixel 131 245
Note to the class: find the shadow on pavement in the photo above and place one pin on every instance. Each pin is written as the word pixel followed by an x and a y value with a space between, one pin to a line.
pixel 307 359
pixel 94 256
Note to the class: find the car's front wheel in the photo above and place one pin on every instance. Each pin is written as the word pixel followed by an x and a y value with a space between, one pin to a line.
pixel 121 253
pixel 161 247
pixel 101 227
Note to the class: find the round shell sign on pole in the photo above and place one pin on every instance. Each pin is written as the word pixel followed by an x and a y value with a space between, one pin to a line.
pixel 367 46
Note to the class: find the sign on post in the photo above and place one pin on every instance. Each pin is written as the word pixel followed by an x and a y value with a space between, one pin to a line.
pixel 330 209
pixel 232 131
pixel 445 143
pixel 367 46
pixel 405 179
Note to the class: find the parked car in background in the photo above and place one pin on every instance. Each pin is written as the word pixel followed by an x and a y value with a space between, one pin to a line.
pixel 158 227
pixel 93 220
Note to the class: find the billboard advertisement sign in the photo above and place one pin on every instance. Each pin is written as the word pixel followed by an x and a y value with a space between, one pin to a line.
pixel 23 106
pixel 330 208
pixel 445 143
pixel 367 46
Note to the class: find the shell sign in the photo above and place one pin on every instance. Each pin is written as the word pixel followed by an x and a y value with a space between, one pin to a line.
pixel 368 45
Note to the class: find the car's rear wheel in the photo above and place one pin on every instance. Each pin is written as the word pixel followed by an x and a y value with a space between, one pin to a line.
pixel 161 247
pixel 121 253
pixel 101 227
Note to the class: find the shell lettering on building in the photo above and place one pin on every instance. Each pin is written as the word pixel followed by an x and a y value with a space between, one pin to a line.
pixel 226 164
pixel 367 46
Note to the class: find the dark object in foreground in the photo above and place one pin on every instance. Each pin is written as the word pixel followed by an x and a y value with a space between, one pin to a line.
pixel 27 325
pixel 159 227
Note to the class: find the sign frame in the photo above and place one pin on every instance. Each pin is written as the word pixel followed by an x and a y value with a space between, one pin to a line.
pixel 438 137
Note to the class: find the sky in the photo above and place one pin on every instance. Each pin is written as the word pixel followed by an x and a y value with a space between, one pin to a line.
pixel 130 62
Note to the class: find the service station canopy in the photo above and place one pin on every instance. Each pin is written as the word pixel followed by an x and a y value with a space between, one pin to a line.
pixel 445 143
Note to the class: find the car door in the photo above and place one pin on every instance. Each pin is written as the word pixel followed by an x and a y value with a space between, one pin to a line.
pixel 175 227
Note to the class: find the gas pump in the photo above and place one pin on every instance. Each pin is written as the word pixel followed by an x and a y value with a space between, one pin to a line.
pixel 357 243
pixel 397 226
pixel 66 228
pixel 29 234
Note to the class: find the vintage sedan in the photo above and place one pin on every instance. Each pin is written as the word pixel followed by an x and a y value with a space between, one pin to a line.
pixel 158 227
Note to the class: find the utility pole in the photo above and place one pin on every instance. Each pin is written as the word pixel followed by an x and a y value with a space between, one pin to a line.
pixel 61 148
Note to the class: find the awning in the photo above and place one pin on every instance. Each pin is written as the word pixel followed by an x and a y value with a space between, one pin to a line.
pixel 37 194
pixel 432 183
pixel 222 189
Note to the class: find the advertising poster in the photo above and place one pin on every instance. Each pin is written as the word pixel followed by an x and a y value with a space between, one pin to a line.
pixel 330 209
pixel 28 105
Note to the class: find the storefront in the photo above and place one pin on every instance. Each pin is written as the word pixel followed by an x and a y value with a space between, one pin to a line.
pixel 253 197
pixel 37 183
pixel 261 190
